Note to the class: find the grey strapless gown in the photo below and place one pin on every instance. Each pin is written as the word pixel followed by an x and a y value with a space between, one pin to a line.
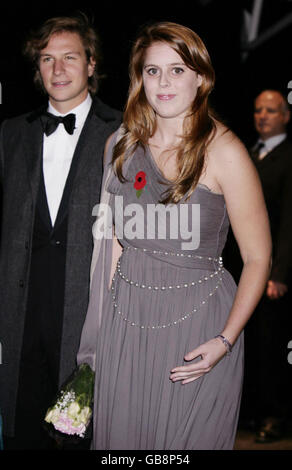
pixel 186 296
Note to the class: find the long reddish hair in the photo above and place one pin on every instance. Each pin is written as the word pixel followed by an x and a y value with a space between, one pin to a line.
pixel 140 119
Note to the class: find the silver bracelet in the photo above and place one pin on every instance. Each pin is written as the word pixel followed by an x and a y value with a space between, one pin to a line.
pixel 225 342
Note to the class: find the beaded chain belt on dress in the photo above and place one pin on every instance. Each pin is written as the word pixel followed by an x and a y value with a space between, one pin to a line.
pixel 218 272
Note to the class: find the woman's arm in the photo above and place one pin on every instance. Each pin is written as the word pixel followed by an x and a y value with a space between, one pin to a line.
pixel 235 174
pixel 246 208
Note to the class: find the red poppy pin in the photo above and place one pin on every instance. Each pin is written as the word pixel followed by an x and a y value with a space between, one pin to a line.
pixel 140 182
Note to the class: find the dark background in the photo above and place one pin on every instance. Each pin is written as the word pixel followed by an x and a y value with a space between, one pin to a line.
pixel 218 22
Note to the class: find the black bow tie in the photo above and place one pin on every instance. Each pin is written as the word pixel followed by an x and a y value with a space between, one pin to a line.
pixel 50 122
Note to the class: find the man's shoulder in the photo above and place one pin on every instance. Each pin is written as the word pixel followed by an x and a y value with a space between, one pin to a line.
pixel 283 151
pixel 105 112
pixel 284 146
pixel 16 122
pixel 280 159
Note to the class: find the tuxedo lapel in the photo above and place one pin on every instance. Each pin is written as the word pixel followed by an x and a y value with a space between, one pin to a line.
pixel 33 149
pixel 42 202
pixel 88 145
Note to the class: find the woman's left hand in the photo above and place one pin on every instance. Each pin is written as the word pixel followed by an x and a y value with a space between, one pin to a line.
pixel 211 352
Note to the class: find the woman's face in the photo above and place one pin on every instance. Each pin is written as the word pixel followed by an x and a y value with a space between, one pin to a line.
pixel 170 86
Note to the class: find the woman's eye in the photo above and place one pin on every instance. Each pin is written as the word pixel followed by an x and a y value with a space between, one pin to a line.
pixel 178 70
pixel 152 71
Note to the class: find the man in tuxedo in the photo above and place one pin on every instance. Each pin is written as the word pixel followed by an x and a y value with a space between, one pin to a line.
pixel 268 373
pixel 50 179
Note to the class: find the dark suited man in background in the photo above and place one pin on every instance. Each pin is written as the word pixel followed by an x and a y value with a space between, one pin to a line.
pixel 50 178
pixel 266 393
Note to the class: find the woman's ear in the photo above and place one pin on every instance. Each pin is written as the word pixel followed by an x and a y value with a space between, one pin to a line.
pixel 200 79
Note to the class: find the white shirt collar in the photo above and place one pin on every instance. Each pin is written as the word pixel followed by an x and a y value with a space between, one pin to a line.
pixel 81 111
pixel 272 142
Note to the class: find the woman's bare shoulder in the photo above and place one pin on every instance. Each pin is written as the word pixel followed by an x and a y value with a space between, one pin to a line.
pixel 225 145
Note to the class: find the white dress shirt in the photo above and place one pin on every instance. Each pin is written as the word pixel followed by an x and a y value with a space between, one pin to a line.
pixel 58 151
pixel 270 144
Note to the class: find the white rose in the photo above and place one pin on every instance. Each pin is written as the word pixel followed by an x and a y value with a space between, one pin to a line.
pixel 85 414
pixel 52 416
pixel 73 410
pixel 48 417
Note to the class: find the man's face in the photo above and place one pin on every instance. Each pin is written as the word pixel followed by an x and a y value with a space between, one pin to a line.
pixel 65 70
pixel 270 115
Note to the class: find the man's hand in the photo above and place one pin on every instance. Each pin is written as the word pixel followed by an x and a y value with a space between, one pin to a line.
pixel 276 289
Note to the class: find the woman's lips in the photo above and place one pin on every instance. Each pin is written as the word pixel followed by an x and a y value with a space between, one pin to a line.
pixel 165 97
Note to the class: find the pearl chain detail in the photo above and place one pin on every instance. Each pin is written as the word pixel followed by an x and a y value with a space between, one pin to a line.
pixel 219 271
pixel 170 253
pixel 165 288
pixel 156 327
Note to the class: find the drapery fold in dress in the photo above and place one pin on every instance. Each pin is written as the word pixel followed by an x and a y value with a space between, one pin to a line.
pixel 100 269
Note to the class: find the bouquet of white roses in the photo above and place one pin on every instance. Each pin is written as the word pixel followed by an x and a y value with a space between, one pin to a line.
pixel 72 411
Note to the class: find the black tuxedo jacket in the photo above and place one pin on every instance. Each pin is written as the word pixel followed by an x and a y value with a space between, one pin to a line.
pixel 21 147
pixel 275 171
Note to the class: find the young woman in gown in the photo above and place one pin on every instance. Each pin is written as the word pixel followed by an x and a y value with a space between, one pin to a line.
pixel 164 378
